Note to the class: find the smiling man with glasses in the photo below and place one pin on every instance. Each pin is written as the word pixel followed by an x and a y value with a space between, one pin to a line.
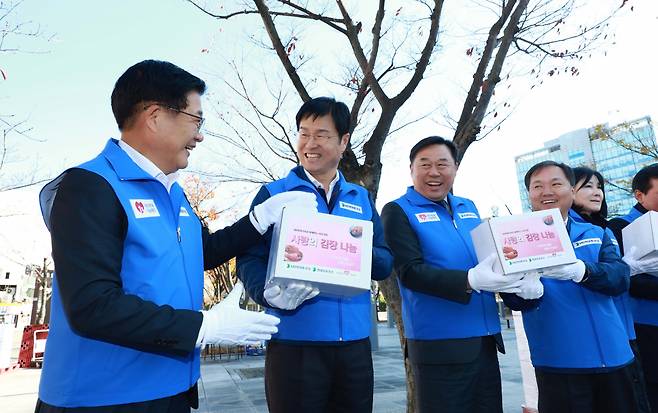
pixel 129 253
pixel 320 360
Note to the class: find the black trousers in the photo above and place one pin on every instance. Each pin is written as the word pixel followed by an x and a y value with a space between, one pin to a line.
pixel 180 403
pixel 610 392
pixel 461 387
pixel 319 379
pixel 647 342
pixel 639 386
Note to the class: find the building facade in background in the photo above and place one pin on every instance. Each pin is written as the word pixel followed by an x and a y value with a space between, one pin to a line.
pixel 617 152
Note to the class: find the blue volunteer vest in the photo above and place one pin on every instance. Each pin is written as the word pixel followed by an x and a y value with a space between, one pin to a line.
pixel 327 318
pixel 574 327
pixel 157 267
pixel 446 243
pixel 623 301
pixel 644 311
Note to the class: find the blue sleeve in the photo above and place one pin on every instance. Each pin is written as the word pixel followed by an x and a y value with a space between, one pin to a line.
pixel 382 257
pixel 252 265
pixel 516 303
pixel 610 275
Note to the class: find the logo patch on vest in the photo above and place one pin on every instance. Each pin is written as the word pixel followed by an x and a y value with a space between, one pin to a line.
pixel 467 215
pixel 183 212
pixel 427 217
pixel 614 242
pixel 144 208
pixel 588 241
pixel 350 207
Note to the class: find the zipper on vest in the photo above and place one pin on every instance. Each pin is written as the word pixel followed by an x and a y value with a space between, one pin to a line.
pixel 178 234
pixel 340 319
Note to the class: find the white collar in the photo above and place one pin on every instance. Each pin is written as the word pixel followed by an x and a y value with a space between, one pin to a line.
pixel 148 166
pixel 318 184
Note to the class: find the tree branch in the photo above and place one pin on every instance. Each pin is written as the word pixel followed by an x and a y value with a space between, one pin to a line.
pixel 425 56
pixel 352 34
pixel 468 134
pixel 478 76
pixel 280 50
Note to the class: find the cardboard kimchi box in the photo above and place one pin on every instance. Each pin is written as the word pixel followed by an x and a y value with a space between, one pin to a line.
pixel 643 235
pixel 527 242
pixel 333 253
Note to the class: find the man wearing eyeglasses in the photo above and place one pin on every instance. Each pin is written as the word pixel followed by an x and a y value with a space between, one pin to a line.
pixel 129 252
pixel 320 360
pixel 451 323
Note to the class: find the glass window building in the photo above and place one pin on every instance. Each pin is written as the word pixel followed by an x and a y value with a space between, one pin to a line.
pixel 617 152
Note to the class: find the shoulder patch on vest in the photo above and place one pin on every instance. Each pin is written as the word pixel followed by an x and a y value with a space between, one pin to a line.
pixel 427 217
pixel 587 241
pixel 467 215
pixel 350 207
pixel 183 212
pixel 144 208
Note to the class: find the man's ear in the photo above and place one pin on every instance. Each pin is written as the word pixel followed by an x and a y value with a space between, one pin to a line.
pixel 639 196
pixel 344 140
pixel 150 117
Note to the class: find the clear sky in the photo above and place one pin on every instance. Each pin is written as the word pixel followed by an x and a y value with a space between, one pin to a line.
pixel 64 94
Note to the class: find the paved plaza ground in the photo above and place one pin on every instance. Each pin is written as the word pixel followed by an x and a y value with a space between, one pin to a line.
pixel 236 385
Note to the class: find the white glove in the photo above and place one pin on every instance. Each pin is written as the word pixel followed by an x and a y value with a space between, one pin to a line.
pixel 574 272
pixel 290 295
pixel 640 265
pixel 531 287
pixel 226 323
pixel 483 277
pixel 270 210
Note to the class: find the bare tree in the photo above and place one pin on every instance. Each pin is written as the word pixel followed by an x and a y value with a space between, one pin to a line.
pixel 382 70
pixel 218 281
pixel 17 35
pixel 43 283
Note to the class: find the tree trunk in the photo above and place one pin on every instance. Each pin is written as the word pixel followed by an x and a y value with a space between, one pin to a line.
pixel 389 287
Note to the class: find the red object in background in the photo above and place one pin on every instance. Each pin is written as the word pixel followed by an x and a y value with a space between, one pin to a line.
pixel 27 345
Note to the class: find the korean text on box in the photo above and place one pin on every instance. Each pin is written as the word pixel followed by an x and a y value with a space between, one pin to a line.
pixel 331 252
pixel 528 242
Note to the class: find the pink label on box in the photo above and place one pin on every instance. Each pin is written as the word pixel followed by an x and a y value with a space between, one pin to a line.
pixel 531 237
pixel 329 245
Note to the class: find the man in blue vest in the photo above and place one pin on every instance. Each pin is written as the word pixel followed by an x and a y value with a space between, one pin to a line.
pixel 451 323
pixel 320 359
pixel 129 253
pixel 644 286
pixel 578 341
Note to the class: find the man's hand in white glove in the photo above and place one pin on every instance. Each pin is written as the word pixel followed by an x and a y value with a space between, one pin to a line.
pixel 483 277
pixel 640 265
pixel 289 296
pixel 270 210
pixel 531 287
pixel 574 272
pixel 227 324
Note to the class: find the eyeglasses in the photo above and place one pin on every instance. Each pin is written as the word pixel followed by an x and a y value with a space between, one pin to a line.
pixel 200 119
pixel 321 138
